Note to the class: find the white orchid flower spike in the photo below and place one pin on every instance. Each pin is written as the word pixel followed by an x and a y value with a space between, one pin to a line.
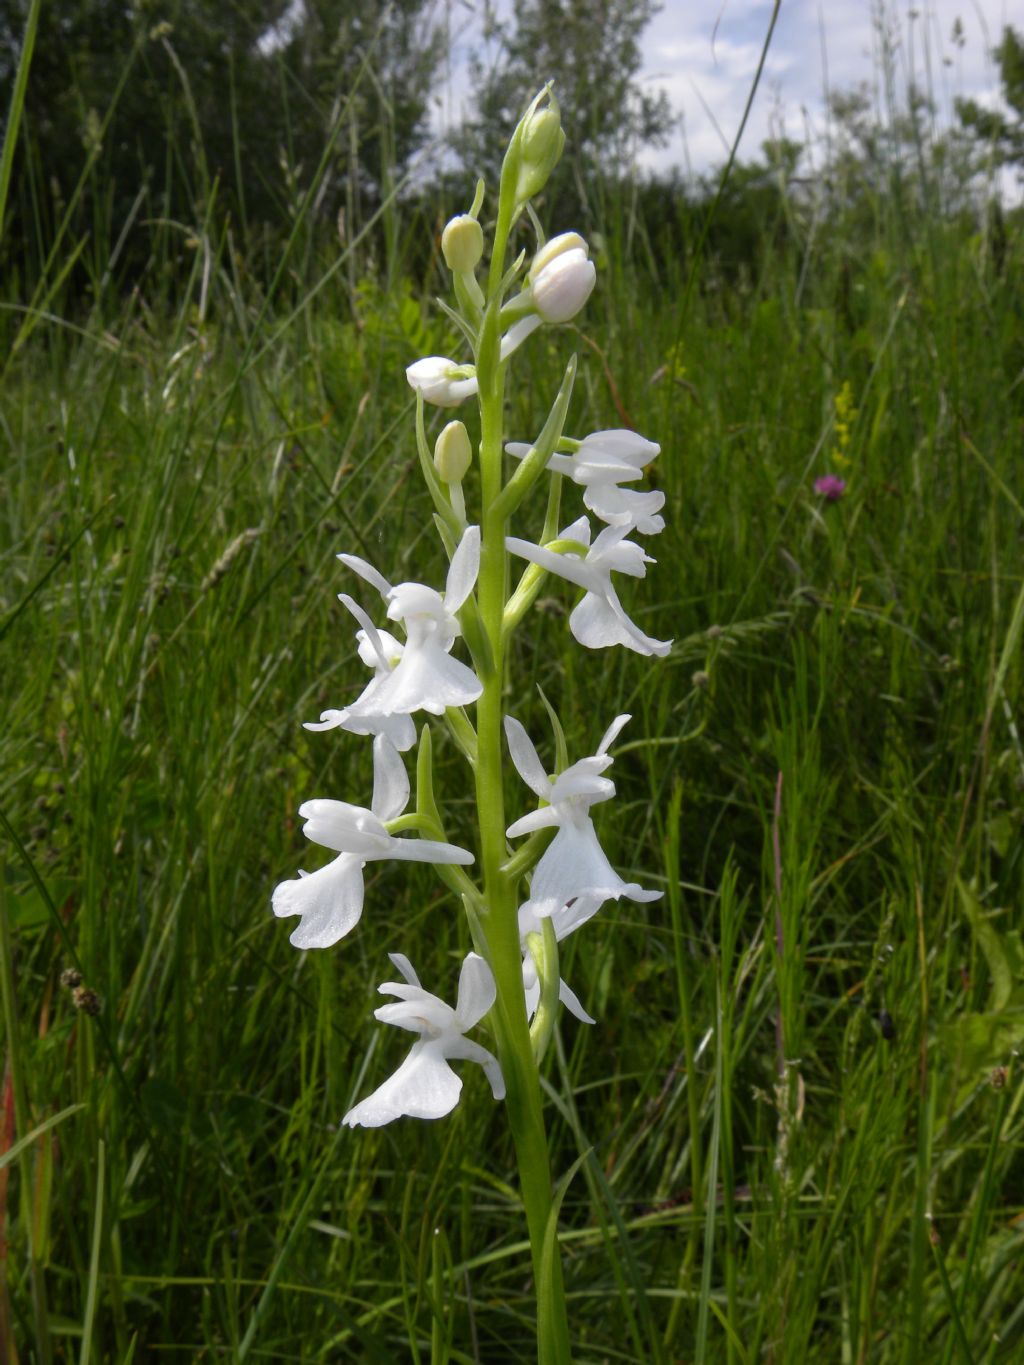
pixel 426 677
pixel 574 864
pixel 599 619
pixel 380 651
pixel 330 901
pixel 425 1086
pixel 603 461
pixel 565 919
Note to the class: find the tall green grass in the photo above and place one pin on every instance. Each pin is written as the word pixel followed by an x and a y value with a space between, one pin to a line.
pixel 793 1137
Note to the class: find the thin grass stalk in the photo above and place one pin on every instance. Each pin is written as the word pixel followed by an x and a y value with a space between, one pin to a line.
pixel 16 1061
pixel 13 125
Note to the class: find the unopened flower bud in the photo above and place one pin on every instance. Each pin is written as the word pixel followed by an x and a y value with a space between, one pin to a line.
pixel 453 453
pixel 565 241
pixel 535 147
pixel 562 277
pixel 462 244
pixel 441 381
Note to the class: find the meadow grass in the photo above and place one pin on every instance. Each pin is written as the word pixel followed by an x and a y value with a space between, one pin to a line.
pixel 798 1120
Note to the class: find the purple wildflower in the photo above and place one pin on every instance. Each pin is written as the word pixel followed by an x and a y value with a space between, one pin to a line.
pixel 830 486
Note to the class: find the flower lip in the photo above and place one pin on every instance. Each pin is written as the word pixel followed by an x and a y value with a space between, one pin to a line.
pixel 425 1086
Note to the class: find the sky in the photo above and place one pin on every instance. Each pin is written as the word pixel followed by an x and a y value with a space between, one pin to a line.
pixel 704 53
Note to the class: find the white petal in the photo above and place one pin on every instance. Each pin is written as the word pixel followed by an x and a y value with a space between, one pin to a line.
pixel 402 1014
pixel 579 781
pixel 466 1050
pixel 463 569
pixel 621 444
pixel 568 566
pixel 400 729
pixel 595 623
pixel 329 720
pixel 526 759
pixel 567 918
pixel 571 1001
pixel 517 334
pixel 622 507
pixel 361 719
pixel 561 464
pixel 534 820
pixel 345 828
pixel 426 851
pixel 612 733
pixel 574 864
pixel 330 902
pixel 423 1087
pixel 477 991
pixel 403 964
pixel 416 1010
pixel 368 572
pixel 611 538
pixel 577 530
pixel 433 378
pixel 428 679
pixel 369 629
pixel 390 781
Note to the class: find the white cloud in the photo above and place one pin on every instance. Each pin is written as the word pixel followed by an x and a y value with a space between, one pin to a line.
pixel 705 57
pixel 704 54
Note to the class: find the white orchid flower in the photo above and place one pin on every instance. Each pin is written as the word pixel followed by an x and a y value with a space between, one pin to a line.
pixel 574 866
pixel 380 651
pixel 599 620
pixel 426 677
pixel 446 384
pixel 561 277
pixel 603 461
pixel 564 920
pixel 425 1086
pixel 442 382
pixel 330 900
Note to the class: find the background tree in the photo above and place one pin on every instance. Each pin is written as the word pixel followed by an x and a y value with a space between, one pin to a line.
pixel 172 107
pixel 1002 132
pixel 590 49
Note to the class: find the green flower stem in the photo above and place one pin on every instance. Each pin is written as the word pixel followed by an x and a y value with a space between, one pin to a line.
pixel 535 463
pixel 499 920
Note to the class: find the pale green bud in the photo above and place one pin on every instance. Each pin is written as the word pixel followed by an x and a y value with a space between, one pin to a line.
pixel 462 244
pixel 535 147
pixel 453 453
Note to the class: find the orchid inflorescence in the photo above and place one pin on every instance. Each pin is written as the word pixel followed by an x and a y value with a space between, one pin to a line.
pixel 531 895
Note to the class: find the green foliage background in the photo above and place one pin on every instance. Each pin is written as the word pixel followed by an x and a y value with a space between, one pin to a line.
pixel 184 458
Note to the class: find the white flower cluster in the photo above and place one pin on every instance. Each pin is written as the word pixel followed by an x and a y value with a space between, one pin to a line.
pixel 601 463
pixel 572 877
